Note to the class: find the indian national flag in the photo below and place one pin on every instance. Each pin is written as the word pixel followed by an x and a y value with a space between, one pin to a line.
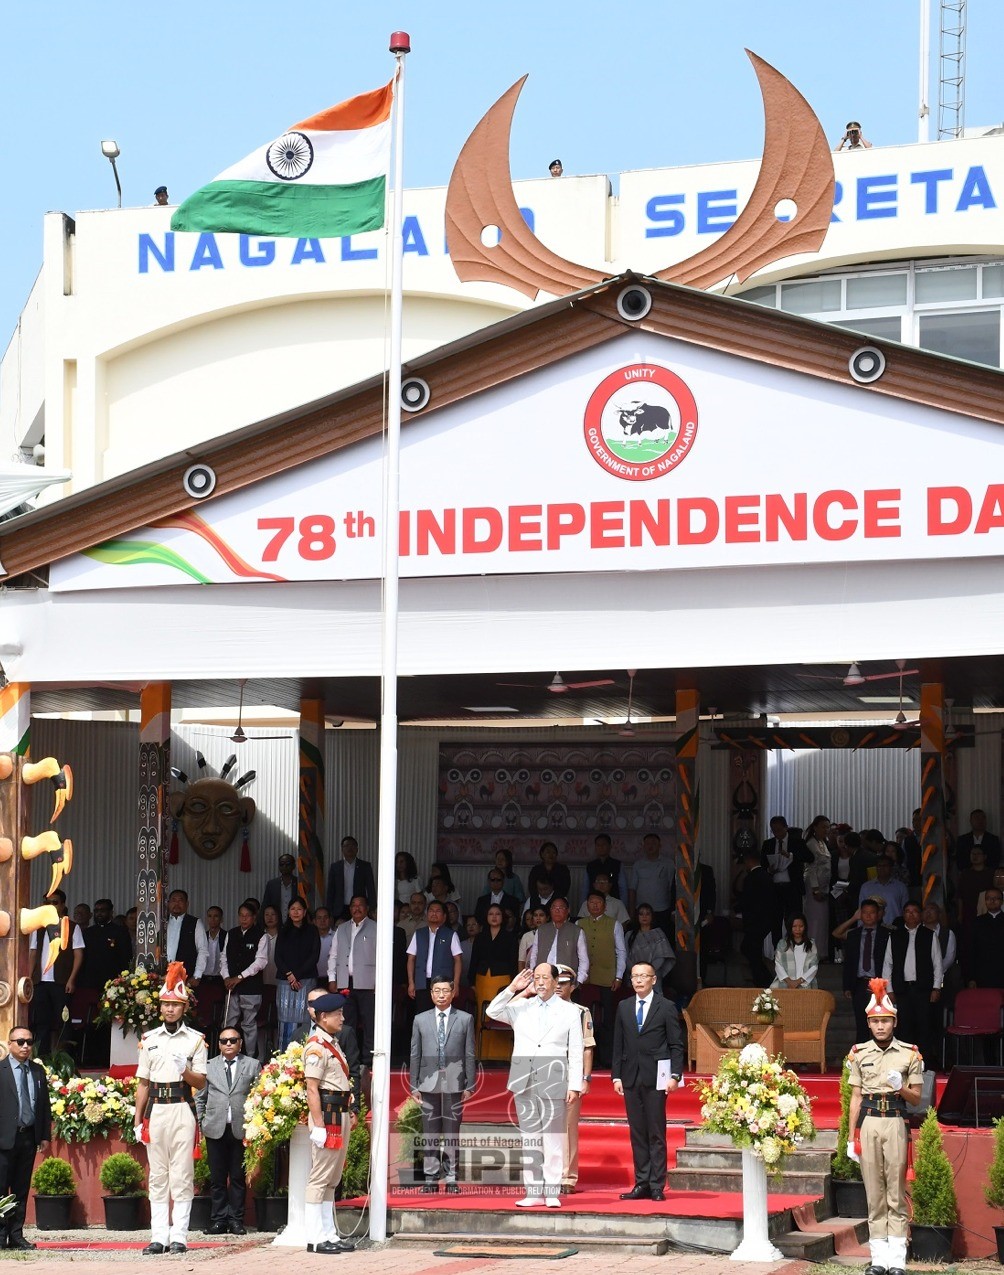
pixel 324 177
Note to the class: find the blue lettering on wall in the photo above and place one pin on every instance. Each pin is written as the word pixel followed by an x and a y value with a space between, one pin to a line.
pixel 148 248
pixel 527 214
pixel 976 191
pixel 307 250
pixel 838 194
pixel 264 256
pixel 877 197
pixel 929 181
pixel 716 210
pixel 206 254
pixel 660 208
pixel 412 238
pixel 356 254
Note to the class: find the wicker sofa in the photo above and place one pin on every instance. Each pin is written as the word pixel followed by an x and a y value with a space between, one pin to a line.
pixel 805 1015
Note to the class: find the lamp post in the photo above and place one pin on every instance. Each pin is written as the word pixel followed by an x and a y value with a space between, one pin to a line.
pixel 111 152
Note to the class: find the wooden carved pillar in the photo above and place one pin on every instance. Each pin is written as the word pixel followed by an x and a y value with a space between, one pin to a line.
pixel 15 874
pixel 932 794
pixel 310 859
pixel 154 820
pixel 687 905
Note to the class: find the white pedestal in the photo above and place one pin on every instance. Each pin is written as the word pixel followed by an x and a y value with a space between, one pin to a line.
pixel 755 1246
pixel 294 1233
pixel 124 1049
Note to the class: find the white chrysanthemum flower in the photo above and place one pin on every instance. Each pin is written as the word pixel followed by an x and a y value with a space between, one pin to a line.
pixel 753 1055
pixel 787 1103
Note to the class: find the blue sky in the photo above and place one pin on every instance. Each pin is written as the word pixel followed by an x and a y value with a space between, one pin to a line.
pixel 187 89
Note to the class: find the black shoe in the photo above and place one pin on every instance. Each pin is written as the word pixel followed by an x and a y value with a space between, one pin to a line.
pixel 658 1195
pixel 216 1228
pixel 345 1246
pixel 452 1188
pixel 21 1243
pixel 875 1270
pixel 431 1188
pixel 896 1270
pixel 154 1250
pixel 178 1248
pixel 640 1192
pixel 329 1247
pixel 238 1228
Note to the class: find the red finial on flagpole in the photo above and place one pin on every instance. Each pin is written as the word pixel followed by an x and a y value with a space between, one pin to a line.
pixel 400 42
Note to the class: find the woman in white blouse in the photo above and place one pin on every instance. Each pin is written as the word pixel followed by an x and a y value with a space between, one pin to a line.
pixel 817 884
pixel 406 876
pixel 796 961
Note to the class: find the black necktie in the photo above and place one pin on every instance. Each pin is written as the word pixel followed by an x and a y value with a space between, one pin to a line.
pixel 230 1074
pixel 867 961
pixel 441 1039
pixel 26 1117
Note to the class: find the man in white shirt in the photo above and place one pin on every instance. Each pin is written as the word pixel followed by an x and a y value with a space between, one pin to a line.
pixel 545 1075
pixel 186 938
pixel 352 968
pixel 434 952
pixel 912 967
pixel 614 908
pixel 415 915
pixel 650 880
pixel 322 921
pixel 560 942
pixel 54 988
pixel 216 937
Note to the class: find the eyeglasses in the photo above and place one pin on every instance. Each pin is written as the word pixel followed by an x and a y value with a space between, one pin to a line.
pixel 24 1040
pixel 230 1040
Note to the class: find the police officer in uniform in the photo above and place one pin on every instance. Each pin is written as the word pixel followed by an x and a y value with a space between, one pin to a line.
pixel 329 1100
pixel 885 1075
pixel 172 1062
pixel 570 1161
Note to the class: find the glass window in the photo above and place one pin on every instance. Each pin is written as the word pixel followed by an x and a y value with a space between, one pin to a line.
pixel 814 297
pixel 993 281
pixel 761 296
pixel 865 291
pixel 888 326
pixel 976 337
pixel 938 286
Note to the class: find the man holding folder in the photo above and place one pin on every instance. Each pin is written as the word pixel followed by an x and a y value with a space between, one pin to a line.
pixel 647 1064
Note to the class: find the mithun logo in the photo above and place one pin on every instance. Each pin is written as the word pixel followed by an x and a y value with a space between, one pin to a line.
pixel 640 422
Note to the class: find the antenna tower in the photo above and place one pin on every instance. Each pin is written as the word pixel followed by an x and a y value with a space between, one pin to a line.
pixel 952 70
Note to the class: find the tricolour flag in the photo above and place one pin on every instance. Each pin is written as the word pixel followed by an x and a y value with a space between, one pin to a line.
pixel 325 176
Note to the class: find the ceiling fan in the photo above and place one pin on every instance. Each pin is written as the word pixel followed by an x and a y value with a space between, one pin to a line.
pixel 627 727
pixel 240 736
pixel 558 686
pixel 854 676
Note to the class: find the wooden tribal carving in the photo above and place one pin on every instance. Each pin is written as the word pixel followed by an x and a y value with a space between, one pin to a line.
pixel 796 166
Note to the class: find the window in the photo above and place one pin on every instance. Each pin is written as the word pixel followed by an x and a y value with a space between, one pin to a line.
pixel 761 296
pixel 993 281
pixel 972 336
pixel 954 284
pixel 865 291
pixel 814 297
pixel 889 326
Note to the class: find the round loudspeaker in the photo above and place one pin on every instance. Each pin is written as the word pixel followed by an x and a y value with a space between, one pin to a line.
pixel 199 481
pixel 866 365
pixel 634 302
pixel 415 394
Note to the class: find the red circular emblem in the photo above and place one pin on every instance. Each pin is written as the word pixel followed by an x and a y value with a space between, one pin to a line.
pixel 641 422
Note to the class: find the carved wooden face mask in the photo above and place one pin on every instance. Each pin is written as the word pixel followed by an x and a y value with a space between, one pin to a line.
pixel 211 812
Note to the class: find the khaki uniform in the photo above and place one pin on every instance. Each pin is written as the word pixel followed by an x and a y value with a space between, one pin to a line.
pixel 324 1062
pixel 172 1126
pixel 884 1139
pixel 570 1173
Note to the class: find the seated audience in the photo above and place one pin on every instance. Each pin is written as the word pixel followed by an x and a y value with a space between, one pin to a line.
pixel 796 961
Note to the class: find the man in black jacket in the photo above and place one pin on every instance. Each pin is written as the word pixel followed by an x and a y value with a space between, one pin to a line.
pixel 756 905
pixel 646 1030
pixel 864 957
pixel 604 862
pixel 988 943
pixel 347 877
pixel 912 966
pixel 495 896
pixel 784 857
pixel 25 1127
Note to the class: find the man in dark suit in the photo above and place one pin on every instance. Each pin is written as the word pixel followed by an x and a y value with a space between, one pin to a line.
pixel 988 943
pixel 107 948
pixel 756 906
pixel 646 1032
pixel 442 1079
pixel 977 836
pixel 280 891
pixel 784 857
pixel 220 1106
pixel 347 877
pixel 25 1127
pixel 604 862
pixel 864 957
pixel 495 896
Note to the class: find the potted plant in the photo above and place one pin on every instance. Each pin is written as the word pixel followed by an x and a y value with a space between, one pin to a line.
pixel 202 1205
pixel 355 1174
pixel 54 1186
pixel 766 1007
pixel 935 1207
pixel 122 1178
pixel 848 1190
pixel 994 1190
pixel 408 1127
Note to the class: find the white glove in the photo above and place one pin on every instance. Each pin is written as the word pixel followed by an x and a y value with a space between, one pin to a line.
pixel 318 1135
pixel 138 1131
pixel 181 1062
pixel 851 1153
pixel 895 1078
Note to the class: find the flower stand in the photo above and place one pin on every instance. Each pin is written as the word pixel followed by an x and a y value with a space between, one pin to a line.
pixel 294 1233
pixel 756 1245
pixel 124 1049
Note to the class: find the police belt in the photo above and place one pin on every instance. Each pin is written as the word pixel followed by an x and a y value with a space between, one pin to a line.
pixel 883 1105
pixel 334 1102
pixel 177 1092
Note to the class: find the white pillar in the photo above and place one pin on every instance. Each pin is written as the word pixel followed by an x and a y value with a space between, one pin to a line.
pixel 294 1233
pixel 756 1245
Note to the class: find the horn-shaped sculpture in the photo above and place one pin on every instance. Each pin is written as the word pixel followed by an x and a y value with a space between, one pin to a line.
pixel 4 929
pixel 44 843
pixel 56 927
pixel 6 849
pixel 60 855
pixel 6 766
pixel 39 918
pixel 61 776
pixel 796 166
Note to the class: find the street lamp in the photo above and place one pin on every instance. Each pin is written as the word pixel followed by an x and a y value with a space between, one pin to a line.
pixel 111 152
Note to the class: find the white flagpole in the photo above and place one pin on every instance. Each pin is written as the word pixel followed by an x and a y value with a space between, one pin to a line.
pixel 924 90
pixel 400 46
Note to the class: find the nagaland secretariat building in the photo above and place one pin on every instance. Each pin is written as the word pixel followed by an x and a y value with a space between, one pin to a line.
pixel 733 490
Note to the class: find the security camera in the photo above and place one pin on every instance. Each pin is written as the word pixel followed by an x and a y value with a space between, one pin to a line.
pixel 866 365
pixel 199 481
pixel 634 303
pixel 415 394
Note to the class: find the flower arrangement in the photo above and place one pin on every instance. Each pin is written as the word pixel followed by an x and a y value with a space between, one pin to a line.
pixel 758 1103
pixel 734 1035
pixel 133 1001
pixel 274 1107
pixel 84 1107
pixel 766 1007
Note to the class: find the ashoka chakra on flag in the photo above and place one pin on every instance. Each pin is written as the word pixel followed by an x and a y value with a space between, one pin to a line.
pixel 290 157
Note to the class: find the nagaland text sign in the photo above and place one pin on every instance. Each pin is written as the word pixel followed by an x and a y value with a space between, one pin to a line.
pixel 645 455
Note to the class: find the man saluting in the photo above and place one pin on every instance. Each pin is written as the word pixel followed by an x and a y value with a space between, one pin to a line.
pixel 885 1075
